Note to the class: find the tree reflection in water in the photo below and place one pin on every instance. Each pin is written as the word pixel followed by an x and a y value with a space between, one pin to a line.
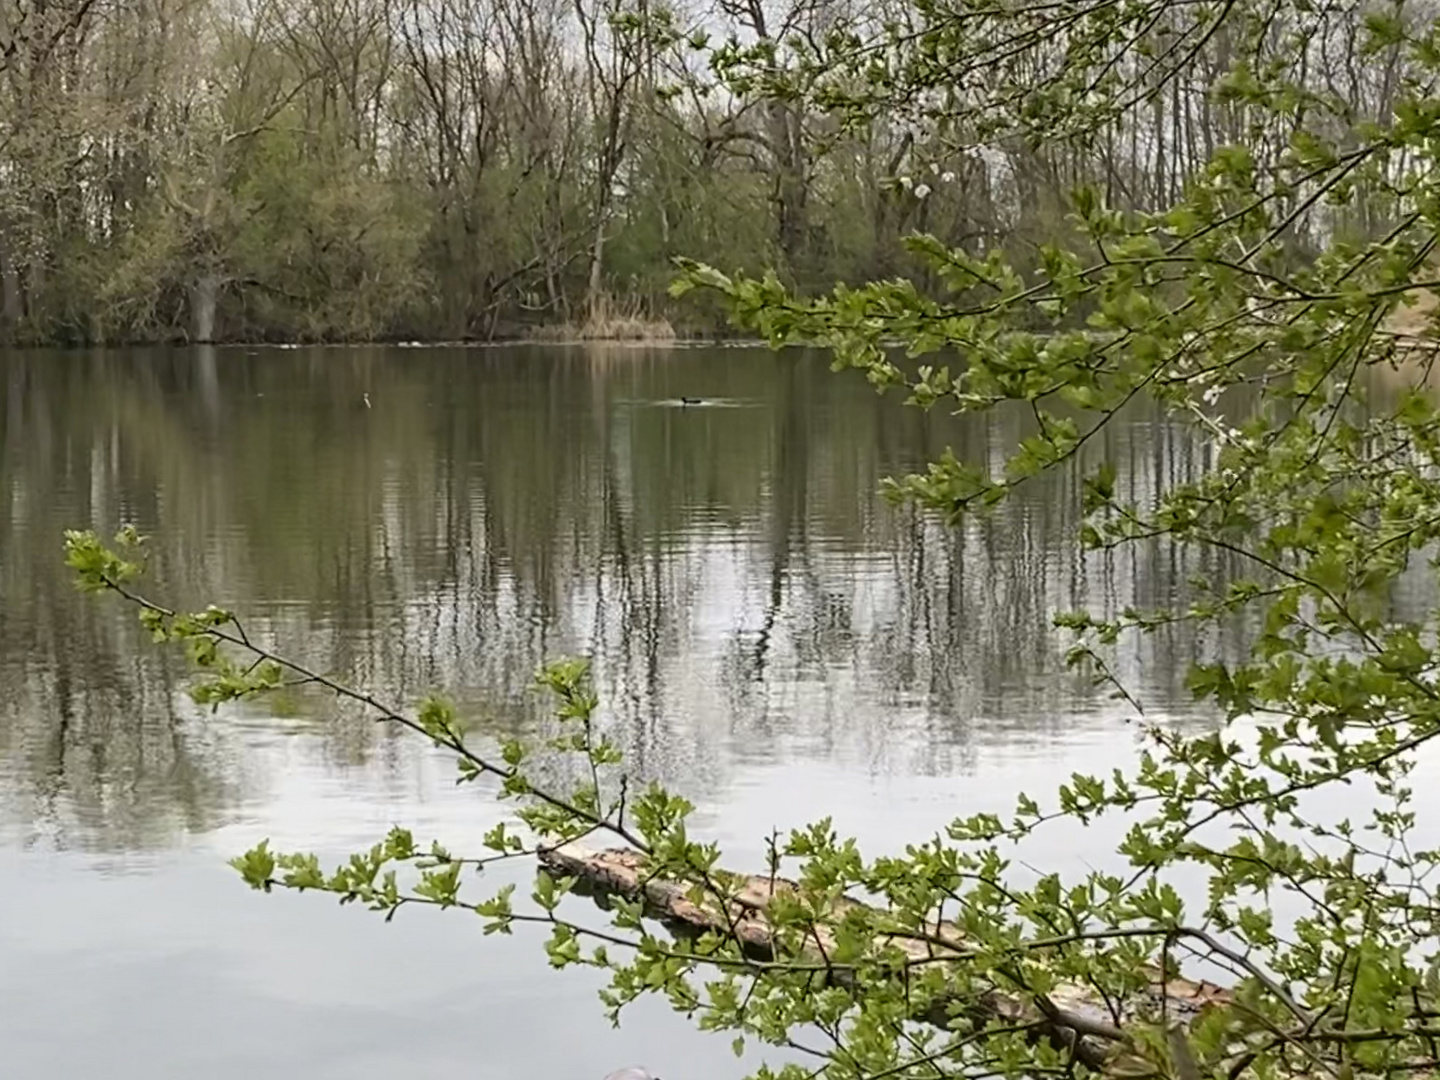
pixel 746 594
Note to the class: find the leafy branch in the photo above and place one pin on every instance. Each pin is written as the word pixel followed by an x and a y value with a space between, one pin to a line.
pixel 1010 978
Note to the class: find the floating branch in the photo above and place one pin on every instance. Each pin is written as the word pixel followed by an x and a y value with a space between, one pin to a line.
pixel 1072 1015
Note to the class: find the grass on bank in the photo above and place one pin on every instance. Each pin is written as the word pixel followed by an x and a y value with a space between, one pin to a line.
pixel 609 320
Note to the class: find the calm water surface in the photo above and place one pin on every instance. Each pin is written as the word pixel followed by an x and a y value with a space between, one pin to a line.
pixel 769 636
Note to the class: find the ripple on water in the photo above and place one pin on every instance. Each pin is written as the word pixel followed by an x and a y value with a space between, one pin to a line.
pixel 769 637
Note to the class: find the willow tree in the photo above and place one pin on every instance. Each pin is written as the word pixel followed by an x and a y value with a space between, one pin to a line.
pixel 1247 285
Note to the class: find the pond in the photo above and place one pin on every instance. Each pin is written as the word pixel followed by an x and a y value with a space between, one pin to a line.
pixel 770 637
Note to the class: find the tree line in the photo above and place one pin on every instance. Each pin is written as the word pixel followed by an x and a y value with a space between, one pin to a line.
pixel 462 169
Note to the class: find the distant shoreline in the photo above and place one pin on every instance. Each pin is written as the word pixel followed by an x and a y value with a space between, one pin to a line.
pixel 400 343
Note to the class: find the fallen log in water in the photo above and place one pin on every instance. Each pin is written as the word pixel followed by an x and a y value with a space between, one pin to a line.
pixel 1072 1015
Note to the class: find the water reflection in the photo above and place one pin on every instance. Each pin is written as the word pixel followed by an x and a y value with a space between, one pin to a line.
pixel 745 593
pixel 769 637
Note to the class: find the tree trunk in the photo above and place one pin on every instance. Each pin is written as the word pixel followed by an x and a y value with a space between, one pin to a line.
pixel 792 217
pixel 597 265
pixel 12 299
pixel 38 279
pixel 204 297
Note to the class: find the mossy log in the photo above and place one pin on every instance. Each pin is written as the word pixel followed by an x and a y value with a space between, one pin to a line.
pixel 1071 1015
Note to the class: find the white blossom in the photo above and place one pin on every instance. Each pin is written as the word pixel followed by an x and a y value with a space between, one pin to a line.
pixel 921 190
